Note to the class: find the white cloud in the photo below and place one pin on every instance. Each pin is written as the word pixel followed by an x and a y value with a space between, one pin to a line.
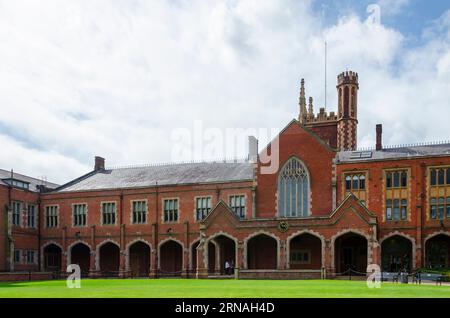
pixel 392 7
pixel 85 78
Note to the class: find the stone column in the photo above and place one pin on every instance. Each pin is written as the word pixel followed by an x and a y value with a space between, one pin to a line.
pixel 201 270
pixel 239 259
pixel 94 266
pixel 123 273
pixel 283 257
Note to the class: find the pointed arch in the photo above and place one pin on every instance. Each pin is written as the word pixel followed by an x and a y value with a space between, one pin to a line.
pixel 256 234
pixel 129 245
pixel 312 233
pixel 341 234
pixel 293 189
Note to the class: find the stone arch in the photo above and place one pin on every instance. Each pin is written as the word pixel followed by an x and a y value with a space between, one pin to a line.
pixel 406 236
pixel 310 232
pixel 44 246
pixel 80 242
pixel 97 251
pixel 167 240
pixel 127 250
pixel 212 238
pixel 429 237
pixel 69 249
pixel 351 231
pixel 258 233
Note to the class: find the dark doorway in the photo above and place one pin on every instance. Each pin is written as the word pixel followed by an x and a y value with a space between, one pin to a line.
pixel 52 258
pixel 305 252
pixel 109 259
pixel 262 251
pixel 438 252
pixel 139 258
pixel 171 258
pixel 396 254
pixel 212 258
pixel 80 254
pixel 351 253
pixel 227 253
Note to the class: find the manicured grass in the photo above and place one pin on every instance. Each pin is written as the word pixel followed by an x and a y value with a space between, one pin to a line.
pixel 191 288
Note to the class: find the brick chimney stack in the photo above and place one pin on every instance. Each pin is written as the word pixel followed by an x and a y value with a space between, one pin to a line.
pixel 379 144
pixel 99 163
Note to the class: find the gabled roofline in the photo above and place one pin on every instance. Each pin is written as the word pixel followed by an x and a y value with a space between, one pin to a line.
pixel 307 130
pixel 347 198
pixel 206 220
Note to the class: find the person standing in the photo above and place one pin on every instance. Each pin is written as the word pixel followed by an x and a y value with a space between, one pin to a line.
pixel 227 267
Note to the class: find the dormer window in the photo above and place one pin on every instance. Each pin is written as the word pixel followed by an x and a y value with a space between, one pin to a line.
pixel 17 183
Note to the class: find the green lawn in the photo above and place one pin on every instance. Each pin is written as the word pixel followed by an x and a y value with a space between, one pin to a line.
pixel 191 288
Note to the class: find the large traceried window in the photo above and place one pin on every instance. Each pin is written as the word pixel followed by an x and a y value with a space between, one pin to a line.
pixel 293 190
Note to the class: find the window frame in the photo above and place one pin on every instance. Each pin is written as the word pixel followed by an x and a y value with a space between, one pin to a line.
pixel 132 212
pixel 208 207
pixel 244 196
pixel 74 217
pixel 102 218
pixel 163 207
pixel 54 217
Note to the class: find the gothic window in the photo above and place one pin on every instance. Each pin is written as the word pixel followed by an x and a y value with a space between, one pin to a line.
pixel 293 190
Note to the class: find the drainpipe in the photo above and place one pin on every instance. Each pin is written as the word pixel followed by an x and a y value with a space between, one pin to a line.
pixel 9 260
pixel 39 230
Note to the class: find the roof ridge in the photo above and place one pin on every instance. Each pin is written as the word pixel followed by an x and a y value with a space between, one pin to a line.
pixel 411 145
pixel 164 164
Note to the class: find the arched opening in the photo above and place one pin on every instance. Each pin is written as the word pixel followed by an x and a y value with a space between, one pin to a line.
pixel 52 258
pixel 351 253
pixel 212 258
pixel 305 252
pixel 109 259
pixel 194 257
pixel 262 252
pixel 139 258
pixel 396 254
pixel 80 254
pixel 225 253
pixel 438 252
pixel 170 258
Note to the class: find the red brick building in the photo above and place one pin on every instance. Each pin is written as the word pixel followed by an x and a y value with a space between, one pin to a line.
pixel 325 209
pixel 20 199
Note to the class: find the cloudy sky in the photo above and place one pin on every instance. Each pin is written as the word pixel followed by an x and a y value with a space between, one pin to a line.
pixel 123 79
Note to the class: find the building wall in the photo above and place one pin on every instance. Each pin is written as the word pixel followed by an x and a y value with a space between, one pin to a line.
pixel 295 141
pixel 418 225
pixel 23 238
pixel 3 228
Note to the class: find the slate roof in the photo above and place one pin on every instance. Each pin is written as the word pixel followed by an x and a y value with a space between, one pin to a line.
pixel 391 153
pixel 168 174
pixel 34 182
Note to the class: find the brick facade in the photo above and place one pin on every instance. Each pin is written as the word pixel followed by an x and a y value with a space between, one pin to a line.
pixel 346 225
